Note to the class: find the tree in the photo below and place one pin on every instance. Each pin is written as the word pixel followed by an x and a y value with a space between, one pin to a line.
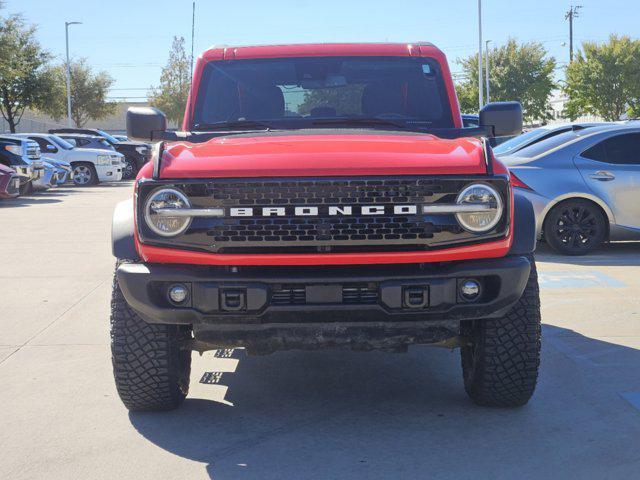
pixel 604 79
pixel 518 72
pixel 175 82
pixel 24 81
pixel 88 94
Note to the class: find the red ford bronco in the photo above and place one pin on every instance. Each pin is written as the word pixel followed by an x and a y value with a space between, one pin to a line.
pixel 324 196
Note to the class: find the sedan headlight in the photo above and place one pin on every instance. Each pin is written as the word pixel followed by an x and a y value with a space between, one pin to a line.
pixel 484 205
pixel 104 160
pixel 159 209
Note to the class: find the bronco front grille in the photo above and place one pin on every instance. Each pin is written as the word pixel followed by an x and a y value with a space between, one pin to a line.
pixel 284 231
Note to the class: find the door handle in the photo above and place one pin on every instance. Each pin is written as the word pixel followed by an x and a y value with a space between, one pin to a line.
pixel 602 175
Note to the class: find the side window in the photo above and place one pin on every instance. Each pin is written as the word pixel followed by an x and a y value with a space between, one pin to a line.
pixel 49 148
pixel 619 150
pixel 41 143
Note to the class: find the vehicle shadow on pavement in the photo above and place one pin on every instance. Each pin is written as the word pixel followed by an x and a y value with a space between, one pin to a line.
pixel 609 254
pixel 338 414
pixel 27 201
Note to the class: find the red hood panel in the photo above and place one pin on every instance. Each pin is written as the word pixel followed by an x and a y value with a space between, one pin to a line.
pixel 323 155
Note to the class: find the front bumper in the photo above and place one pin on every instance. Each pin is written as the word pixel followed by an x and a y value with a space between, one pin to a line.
pixel 253 306
pixel 109 173
pixel 48 180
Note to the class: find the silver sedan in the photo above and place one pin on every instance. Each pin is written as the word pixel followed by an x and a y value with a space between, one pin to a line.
pixel 584 186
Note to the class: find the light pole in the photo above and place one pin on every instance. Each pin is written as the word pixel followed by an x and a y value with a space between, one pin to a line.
pixel 480 100
pixel 486 65
pixel 193 32
pixel 570 15
pixel 66 31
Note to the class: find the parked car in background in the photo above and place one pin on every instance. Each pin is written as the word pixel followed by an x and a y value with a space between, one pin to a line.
pixel 89 166
pixel 80 140
pixel 513 145
pixel 63 169
pixel 136 154
pixel 470 121
pixel 9 182
pixel 48 180
pixel 584 186
pixel 23 156
pixel 121 138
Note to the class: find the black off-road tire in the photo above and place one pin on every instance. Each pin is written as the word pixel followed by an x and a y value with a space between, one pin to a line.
pixel 575 227
pixel 151 371
pixel 500 367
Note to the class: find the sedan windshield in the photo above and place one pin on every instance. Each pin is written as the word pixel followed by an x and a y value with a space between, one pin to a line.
pixel 61 142
pixel 322 92
pixel 515 143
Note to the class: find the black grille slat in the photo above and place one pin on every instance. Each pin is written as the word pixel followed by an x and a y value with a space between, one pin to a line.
pixel 361 295
pixel 289 296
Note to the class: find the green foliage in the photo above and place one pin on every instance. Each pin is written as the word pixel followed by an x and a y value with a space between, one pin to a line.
pixel 517 72
pixel 604 79
pixel 24 81
pixel 175 81
pixel 88 94
pixel 346 100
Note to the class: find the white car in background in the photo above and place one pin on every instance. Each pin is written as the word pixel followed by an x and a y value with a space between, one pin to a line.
pixel 89 166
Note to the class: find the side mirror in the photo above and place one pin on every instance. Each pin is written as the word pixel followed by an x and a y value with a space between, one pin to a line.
pixel 147 123
pixel 503 118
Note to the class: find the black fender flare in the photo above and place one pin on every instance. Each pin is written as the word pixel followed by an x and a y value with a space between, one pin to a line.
pixel 524 226
pixel 123 227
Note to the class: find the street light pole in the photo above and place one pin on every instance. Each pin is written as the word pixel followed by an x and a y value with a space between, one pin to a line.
pixel 66 31
pixel 486 53
pixel 480 99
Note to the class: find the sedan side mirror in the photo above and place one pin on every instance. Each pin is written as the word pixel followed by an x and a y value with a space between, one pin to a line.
pixel 147 124
pixel 504 119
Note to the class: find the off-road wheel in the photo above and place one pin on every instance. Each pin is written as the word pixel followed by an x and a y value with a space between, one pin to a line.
pixel 575 227
pixel 84 174
pixel 500 366
pixel 151 371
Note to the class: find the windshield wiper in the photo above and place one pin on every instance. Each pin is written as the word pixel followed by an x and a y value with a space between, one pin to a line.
pixel 360 122
pixel 236 125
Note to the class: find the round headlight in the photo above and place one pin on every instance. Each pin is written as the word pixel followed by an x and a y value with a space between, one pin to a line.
pixel 489 208
pixel 158 209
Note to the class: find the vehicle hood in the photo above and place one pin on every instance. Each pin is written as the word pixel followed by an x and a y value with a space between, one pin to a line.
pixel 4 170
pixel 79 152
pixel 273 155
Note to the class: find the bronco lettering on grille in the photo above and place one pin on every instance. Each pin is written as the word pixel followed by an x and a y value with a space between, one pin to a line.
pixel 324 210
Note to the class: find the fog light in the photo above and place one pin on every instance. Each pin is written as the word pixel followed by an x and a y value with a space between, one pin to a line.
pixel 469 289
pixel 178 293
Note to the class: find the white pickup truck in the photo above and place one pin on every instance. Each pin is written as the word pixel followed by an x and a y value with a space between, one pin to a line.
pixel 89 166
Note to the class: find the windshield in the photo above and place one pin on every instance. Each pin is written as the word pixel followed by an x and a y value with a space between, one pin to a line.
pixel 308 92
pixel 515 143
pixel 550 143
pixel 110 138
pixel 61 142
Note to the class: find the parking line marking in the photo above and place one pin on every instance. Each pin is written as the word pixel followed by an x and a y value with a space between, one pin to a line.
pixel 572 279
pixel 633 398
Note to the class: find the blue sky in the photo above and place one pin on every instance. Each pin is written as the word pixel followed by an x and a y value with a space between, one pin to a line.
pixel 130 39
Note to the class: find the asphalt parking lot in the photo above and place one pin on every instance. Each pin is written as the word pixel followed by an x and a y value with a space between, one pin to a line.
pixel 295 415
